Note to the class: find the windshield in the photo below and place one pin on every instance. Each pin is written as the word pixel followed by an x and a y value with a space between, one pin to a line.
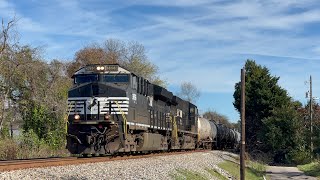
pixel 116 78
pixel 86 78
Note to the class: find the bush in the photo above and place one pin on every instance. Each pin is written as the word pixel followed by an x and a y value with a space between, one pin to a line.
pixel 8 149
pixel 55 140
pixel 5 131
pixel 31 146
pixel 46 125
pixel 299 156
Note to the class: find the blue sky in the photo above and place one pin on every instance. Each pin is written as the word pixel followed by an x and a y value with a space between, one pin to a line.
pixel 204 41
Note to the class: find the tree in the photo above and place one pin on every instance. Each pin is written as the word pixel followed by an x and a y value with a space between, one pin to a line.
pixel 284 136
pixel 263 96
pixel 189 92
pixel 304 113
pixel 130 55
pixel 6 34
pixel 7 47
pixel 217 117
pixel 32 91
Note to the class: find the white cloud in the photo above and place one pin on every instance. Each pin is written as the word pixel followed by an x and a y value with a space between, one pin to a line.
pixel 217 35
pixel 179 3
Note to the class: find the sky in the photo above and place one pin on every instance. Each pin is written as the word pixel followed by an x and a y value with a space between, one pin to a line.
pixel 205 42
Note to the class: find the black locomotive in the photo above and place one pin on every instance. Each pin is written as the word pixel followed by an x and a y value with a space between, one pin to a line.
pixel 112 110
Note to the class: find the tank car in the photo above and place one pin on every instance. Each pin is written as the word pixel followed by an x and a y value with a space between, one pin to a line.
pixel 207 133
pixel 111 110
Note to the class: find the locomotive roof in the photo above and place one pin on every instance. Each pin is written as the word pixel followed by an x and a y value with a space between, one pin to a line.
pixel 117 68
pixel 108 68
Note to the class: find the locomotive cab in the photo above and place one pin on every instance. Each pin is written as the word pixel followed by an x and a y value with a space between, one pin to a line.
pixel 98 103
pixel 97 94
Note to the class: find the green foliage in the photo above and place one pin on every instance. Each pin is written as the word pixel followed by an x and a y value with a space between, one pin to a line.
pixel 45 124
pixel 187 175
pixel 30 141
pixel 283 135
pixel 311 169
pixel 300 156
pixel 36 119
pixel 234 170
pixel 257 168
pixel 56 139
pixel 36 94
pixel 215 173
pixel 263 95
pixel 283 130
pixel 5 131
pixel 273 124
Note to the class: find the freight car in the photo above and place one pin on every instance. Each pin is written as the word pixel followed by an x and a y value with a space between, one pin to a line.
pixel 216 136
pixel 112 110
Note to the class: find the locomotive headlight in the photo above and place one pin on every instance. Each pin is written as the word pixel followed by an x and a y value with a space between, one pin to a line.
pixel 100 68
pixel 77 117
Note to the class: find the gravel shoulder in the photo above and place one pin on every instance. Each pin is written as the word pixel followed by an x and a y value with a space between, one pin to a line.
pixel 280 172
pixel 158 167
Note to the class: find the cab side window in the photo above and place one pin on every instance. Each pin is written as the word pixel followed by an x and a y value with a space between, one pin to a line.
pixel 134 82
pixel 138 85
pixel 142 86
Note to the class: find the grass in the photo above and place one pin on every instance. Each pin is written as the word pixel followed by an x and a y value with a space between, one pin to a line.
pixel 255 172
pixel 215 173
pixel 257 168
pixel 311 169
pixel 187 175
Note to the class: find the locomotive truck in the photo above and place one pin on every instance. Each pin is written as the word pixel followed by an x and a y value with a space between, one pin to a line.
pixel 112 110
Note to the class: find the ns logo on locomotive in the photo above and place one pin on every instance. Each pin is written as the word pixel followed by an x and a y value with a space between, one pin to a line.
pixel 112 110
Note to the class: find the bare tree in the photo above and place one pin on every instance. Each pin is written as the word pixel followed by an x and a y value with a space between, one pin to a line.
pixel 189 92
pixel 6 34
pixel 217 117
pixel 131 55
pixel 6 30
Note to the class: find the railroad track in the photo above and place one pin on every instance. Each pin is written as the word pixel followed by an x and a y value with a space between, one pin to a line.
pixel 48 162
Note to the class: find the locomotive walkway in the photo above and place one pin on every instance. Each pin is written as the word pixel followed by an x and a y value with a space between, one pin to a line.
pixel 280 172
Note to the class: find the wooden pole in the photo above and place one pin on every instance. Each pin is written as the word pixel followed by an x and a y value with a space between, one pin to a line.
pixel 311 118
pixel 243 129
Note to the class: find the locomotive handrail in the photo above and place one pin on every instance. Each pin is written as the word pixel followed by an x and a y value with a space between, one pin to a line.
pixel 198 132
pixel 124 119
pixel 174 127
pixel 66 118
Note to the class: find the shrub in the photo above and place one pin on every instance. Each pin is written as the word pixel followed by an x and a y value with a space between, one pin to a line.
pixel 300 156
pixel 8 149
pixel 31 146
pixel 5 131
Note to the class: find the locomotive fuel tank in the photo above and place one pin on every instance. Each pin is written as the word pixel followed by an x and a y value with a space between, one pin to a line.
pixel 207 130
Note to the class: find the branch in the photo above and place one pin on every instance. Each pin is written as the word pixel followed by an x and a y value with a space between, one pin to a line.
pixel 5 33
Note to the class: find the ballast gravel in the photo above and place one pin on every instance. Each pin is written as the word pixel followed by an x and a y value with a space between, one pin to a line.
pixel 158 167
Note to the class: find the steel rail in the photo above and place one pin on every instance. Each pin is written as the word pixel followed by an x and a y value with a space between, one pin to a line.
pixel 63 161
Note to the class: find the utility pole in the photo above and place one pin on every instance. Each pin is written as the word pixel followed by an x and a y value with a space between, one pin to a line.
pixel 310 111
pixel 243 127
